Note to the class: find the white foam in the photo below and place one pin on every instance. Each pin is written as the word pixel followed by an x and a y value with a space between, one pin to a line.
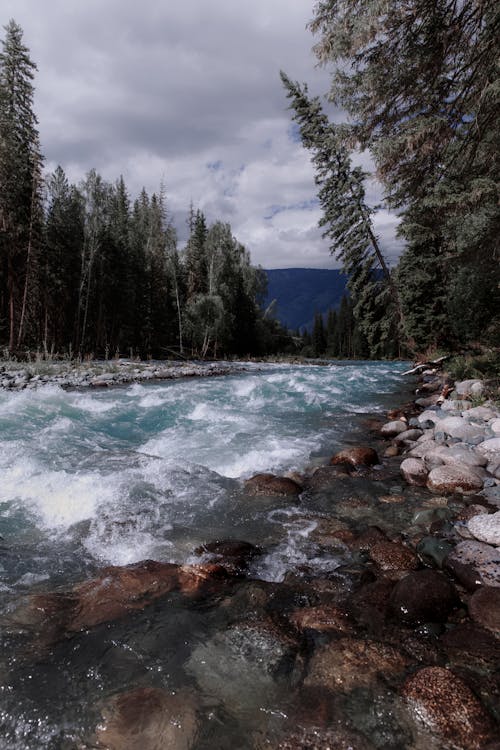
pixel 93 404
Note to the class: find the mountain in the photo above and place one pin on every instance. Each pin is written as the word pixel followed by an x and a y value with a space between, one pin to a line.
pixel 301 292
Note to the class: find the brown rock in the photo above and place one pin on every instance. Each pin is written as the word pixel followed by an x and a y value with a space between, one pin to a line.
pixel 356 456
pixel 448 479
pixel 318 738
pixel 326 477
pixel 469 644
pixel 391 451
pixel 391 499
pixel 414 471
pixel 147 719
pixel 369 604
pixel 368 539
pixel 484 608
pixel 393 556
pixel 350 663
pixel 423 596
pixel 270 484
pixel 446 706
pixel 234 555
pixel 329 531
pixel 322 618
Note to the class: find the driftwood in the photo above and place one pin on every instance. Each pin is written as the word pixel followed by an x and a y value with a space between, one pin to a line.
pixel 424 365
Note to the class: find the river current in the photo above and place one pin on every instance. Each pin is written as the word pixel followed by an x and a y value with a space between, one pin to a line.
pixel 151 471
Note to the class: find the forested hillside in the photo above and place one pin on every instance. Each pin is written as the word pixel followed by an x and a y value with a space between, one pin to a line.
pixel 297 294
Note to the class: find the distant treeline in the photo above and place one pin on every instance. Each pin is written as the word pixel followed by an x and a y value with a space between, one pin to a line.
pixel 84 271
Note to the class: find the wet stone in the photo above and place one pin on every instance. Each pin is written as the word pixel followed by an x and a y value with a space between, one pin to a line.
pixel 356 456
pixel 484 558
pixel 433 550
pixel 484 608
pixel 423 596
pixel 470 645
pixel 349 663
pixel 148 718
pixel 322 618
pixel 318 738
pixel 234 555
pixel 270 484
pixel 393 557
pixel 445 706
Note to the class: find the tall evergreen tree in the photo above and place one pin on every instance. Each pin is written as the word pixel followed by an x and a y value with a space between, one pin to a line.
pixel 347 218
pixel 20 190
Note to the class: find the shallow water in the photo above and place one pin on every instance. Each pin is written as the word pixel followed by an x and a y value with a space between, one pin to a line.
pixel 90 478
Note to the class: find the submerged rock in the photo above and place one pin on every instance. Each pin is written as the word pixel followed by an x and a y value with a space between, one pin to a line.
pixel 423 596
pixel 270 484
pixel 393 558
pixel 350 663
pixel 323 618
pixel 440 701
pixel 318 738
pixel 484 608
pixel 356 456
pixel 148 718
pixel 234 555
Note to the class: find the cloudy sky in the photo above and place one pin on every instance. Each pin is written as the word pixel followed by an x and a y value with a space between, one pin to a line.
pixel 188 92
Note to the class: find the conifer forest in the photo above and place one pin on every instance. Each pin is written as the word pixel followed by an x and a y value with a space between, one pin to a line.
pixel 87 269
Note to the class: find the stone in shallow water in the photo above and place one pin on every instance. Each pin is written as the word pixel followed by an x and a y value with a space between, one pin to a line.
pixel 423 596
pixel 484 608
pixel 440 701
pixel 393 557
pixel 486 527
pixel 349 663
pixel 470 645
pixel 324 618
pixel 484 558
pixel 243 665
pixel 356 456
pixel 270 484
pixel 317 738
pixel 148 719
pixel 234 555
pixel 448 479
pixel 391 429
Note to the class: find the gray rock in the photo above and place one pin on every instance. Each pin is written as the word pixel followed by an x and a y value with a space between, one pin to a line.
pixel 414 471
pixel 484 558
pixel 390 429
pixel 490 448
pixel 486 527
pixel 494 426
pixel 457 427
pixel 465 387
pixel 449 479
pixel 483 413
pixel 408 435
pixel 428 416
pixel 455 405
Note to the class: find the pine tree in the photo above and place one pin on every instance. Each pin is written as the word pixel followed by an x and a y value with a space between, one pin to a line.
pixel 347 217
pixel 20 190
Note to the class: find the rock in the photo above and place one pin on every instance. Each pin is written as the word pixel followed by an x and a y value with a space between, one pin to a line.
pixel 490 448
pixel 484 608
pixel 243 664
pixel 349 663
pixel 428 416
pixel 370 603
pixel 393 557
pixel 322 618
pixel 449 479
pixel 414 471
pixel 486 527
pixel 494 426
pixel 455 405
pixel 433 551
pixel 465 387
pixel 425 401
pixel 391 429
pixel 482 557
pixel 457 427
pixel 233 555
pixel 148 718
pixel 447 708
pixel 470 643
pixel 270 484
pixel 325 477
pixel 319 738
pixel 408 436
pixel 356 456
pixel 423 596
pixel 460 454
pixel 329 531
pixel 391 451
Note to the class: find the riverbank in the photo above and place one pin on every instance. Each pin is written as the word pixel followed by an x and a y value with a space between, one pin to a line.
pixel 104 374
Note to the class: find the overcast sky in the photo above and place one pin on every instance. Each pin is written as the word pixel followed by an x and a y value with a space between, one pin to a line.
pixel 188 92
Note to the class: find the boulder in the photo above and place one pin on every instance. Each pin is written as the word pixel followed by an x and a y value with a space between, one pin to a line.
pixel 393 557
pixel 468 643
pixel 356 456
pixel 423 596
pixel 349 663
pixel 484 559
pixel 414 471
pixel 147 718
pixel 326 477
pixel 484 608
pixel 440 701
pixel 270 484
pixel 323 618
pixel 234 555
pixel 460 454
pixel 490 448
pixel 391 429
pixel 457 427
pixel 408 436
pixel 449 479
pixel 486 527
pixel 494 426
pixel 469 387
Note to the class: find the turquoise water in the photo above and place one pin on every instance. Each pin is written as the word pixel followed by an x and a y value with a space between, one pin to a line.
pixel 90 478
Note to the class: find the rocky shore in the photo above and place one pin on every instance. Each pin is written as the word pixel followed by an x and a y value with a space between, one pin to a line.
pixel 103 374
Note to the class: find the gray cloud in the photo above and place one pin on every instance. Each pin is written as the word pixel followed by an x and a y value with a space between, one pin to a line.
pixel 161 90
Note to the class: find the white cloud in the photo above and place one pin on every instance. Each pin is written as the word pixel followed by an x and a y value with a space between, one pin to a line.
pixel 160 91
